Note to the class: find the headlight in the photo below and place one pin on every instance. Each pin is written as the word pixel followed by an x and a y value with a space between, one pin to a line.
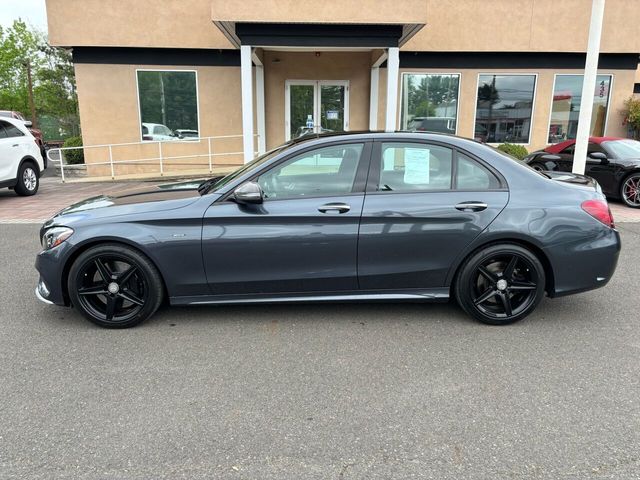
pixel 55 236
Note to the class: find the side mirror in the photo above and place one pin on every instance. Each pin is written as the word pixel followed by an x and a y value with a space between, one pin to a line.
pixel 249 192
pixel 28 123
pixel 599 156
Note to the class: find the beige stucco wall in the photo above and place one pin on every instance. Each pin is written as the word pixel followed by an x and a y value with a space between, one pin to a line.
pixel 451 25
pixel 139 23
pixel 108 102
pixel 525 25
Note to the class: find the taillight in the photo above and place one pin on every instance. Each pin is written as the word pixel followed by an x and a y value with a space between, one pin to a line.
pixel 599 209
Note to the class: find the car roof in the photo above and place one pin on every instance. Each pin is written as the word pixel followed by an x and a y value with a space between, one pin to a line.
pixel 376 134
pixel 558 147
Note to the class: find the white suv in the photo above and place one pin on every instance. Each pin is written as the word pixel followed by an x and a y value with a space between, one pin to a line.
pixel 20 158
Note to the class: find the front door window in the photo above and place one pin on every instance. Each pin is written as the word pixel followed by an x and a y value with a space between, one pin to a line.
pixel 316 106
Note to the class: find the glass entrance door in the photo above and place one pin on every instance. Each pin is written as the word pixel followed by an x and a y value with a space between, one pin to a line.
pixel 316 106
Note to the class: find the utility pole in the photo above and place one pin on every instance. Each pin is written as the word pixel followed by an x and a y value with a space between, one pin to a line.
pixel 32 105
pixel 588 87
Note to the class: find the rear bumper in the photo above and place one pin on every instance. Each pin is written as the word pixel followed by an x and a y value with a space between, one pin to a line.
pixel 584 265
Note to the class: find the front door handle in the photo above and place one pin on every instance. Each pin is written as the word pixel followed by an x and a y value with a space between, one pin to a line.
pixel 334 207
pixel 15 145
pixel 471 206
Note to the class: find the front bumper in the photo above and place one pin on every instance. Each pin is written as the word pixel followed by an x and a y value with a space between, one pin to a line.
pixel 50 266
pixel 41 295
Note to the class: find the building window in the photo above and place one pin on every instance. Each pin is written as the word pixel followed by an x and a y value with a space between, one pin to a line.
pixel 430 102
pixel 168 105
pixel 565 109
pixel 504 108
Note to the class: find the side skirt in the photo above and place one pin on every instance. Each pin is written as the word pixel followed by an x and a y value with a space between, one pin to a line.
pixel 419 295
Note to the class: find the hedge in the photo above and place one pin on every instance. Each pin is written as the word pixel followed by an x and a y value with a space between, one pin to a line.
pixel 76 156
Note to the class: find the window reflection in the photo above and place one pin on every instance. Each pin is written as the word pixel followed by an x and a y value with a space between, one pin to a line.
pixel 504 107
pixel 565 109
pixel 168 105
pixel 430 102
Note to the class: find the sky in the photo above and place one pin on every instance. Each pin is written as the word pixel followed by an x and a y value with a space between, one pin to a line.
pixel 31 11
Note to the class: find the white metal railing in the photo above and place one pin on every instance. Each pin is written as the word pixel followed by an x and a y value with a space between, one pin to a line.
pixel 162 159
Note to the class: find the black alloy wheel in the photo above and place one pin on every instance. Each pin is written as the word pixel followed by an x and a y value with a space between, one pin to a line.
pixel 630 191
pixel 501 284
pixel 115 286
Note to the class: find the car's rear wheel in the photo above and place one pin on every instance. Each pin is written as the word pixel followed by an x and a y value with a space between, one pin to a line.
pixel 115 286
pixel 500 284
pixel 630 190
pixel 28 179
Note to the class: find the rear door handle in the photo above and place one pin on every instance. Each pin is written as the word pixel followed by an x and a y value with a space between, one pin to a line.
pixel 471 206
pixel 15 145
pixel 334 207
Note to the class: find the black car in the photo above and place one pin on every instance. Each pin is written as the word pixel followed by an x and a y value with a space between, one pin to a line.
pixel 357 217
pixel 613 162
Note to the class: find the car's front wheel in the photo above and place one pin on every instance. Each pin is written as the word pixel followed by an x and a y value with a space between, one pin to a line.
pixel 28 179
pixel 500 284
pixel 115 286
pixel 630 190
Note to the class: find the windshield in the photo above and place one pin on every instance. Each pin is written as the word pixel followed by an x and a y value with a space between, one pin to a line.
pixel 623 148
pixel 256 162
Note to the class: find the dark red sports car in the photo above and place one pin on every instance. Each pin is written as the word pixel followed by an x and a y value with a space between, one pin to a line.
pixel 613 162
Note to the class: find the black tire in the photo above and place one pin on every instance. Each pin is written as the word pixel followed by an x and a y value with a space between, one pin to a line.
pixel 630 190
pixel 538 166
pixel 28 180
pixel 500 284
pixel 138 292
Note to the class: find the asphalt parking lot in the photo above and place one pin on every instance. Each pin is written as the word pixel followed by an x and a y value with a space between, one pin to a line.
pixel 320 391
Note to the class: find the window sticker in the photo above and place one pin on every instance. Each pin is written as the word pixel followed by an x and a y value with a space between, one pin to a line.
pixel 416 165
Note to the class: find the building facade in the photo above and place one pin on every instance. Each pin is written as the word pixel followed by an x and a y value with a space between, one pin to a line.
pixel 256 73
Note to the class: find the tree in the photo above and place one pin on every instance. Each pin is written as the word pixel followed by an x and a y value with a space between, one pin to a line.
pixel 24 52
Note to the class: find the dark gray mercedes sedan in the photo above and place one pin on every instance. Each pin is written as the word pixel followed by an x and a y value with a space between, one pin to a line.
pixel 351 217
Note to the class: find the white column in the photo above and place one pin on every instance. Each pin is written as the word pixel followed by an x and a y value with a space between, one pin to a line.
pixel 375 91
pixel 393 68
pixel 247 102
pixel 262 140
pixel 373 100
pixel 588 86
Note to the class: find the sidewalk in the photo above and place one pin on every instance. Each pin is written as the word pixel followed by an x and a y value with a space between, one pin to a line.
pixel 53 196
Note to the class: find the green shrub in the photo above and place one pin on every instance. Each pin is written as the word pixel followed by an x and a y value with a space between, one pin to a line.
pixel 75 156
pixel 631 114
pixel 517 151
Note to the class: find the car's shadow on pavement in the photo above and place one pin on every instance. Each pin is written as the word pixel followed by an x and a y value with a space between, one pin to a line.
pixel 373 314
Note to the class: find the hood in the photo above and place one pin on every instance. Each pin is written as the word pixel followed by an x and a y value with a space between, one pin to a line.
pixel 146 199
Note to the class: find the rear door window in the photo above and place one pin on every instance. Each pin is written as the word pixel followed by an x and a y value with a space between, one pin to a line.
pixel 408 167
pixel 471 175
